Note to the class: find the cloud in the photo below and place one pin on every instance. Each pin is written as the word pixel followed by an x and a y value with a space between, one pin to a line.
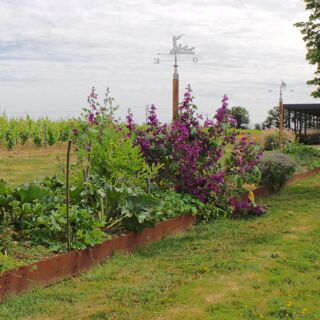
pixel 53 51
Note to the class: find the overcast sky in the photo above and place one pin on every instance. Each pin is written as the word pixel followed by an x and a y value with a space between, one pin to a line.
pixel 53 52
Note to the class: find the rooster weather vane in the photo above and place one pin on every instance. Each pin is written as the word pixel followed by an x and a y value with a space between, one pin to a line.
pixel 178 49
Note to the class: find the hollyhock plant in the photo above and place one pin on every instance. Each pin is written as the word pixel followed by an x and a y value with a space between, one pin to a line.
pixel 153 118
pixel 93 112
pixel 244 160
pixel 130 122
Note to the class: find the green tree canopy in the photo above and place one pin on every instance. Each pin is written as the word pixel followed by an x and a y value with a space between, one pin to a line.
pixel 241 114
pixel 257 126
pixel 311 35
pixel 272 120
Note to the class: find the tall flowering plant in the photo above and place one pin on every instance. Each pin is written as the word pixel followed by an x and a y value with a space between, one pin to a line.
pixel 110 175
pixel 192 152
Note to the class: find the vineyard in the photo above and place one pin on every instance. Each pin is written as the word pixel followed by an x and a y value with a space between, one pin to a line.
pixel 39 132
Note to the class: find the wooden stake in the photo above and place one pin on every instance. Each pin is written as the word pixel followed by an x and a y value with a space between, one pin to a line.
pixel 68 194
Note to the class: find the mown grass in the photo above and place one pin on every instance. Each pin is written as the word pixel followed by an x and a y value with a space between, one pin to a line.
pixel 265 268
pixel 26 163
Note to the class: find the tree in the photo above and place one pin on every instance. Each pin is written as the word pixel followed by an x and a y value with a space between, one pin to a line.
pixel 257 126
pixel 273 118
pixel 241 114
pixel 311 36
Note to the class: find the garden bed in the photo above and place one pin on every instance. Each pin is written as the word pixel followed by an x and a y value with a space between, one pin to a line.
pixel 63 266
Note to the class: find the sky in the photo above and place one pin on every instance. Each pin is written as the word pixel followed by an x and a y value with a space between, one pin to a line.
pixel 52 52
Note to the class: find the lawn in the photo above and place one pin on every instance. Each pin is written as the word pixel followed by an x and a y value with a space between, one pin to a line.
pixel 26 163
pixel 265 268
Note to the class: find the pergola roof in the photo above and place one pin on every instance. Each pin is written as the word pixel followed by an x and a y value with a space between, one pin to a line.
pixel 309 108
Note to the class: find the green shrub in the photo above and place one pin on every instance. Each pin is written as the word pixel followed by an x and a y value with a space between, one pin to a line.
pixel 276 170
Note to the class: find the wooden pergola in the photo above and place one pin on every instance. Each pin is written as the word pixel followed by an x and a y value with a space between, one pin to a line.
pixel 301 118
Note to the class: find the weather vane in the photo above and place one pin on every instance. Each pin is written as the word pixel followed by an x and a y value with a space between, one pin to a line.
pixel 177 49
pixel 283 86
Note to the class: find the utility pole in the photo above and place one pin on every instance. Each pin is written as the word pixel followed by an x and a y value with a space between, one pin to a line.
pixel 175 51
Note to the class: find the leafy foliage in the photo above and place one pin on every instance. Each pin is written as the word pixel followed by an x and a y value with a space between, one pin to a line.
pixel 36 212
pixel 304 155
pixel 311 36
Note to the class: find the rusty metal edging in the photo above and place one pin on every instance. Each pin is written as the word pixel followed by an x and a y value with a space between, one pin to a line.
pixel 63 266
pixel 264 191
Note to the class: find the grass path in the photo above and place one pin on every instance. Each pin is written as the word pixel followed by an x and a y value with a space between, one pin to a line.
pixel 266 268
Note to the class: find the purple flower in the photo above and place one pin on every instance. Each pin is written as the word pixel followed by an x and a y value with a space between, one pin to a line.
pixel 75 131
pixel 93 113
pixel 246 207
pixel 91 118
pixel 130 122
pixel 153 119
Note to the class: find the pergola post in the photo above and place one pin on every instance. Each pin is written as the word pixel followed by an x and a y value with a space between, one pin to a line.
pixel 305 124
pixel 300 125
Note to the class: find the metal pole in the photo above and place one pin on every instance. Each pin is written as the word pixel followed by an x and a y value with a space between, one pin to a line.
pixel 175 90
pixel 68 194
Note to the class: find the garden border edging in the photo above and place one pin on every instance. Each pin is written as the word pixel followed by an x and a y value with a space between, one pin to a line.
pixel 264 191
pixel 60 267
pixel 63 266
